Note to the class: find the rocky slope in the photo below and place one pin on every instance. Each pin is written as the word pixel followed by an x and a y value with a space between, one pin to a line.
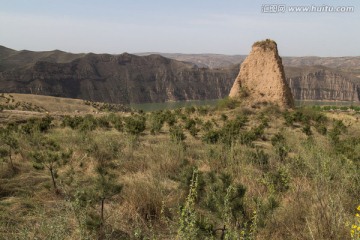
pixel 262 77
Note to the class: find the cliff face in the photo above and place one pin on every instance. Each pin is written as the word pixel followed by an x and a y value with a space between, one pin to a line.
pixel 262 77
pixel 320 83
pixel 124 78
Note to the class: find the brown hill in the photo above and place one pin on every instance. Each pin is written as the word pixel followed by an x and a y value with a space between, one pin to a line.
pixel 12 59
pixel 262 77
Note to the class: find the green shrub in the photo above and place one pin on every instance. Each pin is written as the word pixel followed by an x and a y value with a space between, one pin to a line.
pixel 189 123
pixel 103 122
pixel 169 118
pixel 157 120
pixel 278 138
pixel 88 123
pixel 259 157
pixel 321 128
pixel 116 121
pixel 135 124
pixel 203 110
pixel 37 125
pixel 177 134
pixel 211 136
pixel 207 126
pixel 338 128
pixel 227 103
pixel 307 130
pixel 190 110
pixel 224 117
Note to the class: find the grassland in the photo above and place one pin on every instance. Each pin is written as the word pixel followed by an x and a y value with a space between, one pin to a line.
pixel 225 172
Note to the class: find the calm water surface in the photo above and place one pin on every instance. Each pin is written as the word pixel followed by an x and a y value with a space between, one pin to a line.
pixel 147 107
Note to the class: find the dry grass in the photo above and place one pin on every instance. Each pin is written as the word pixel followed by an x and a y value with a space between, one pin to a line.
pixel 309 194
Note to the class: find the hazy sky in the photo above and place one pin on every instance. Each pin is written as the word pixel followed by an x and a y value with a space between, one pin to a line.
pixel 196 26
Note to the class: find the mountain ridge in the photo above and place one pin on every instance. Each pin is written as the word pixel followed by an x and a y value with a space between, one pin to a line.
pixel 130 78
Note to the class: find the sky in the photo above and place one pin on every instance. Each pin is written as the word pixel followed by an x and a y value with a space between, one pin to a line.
pixel 178 26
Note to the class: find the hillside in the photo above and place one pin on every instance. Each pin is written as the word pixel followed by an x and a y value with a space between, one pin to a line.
pixel 191 173
pixel 17 107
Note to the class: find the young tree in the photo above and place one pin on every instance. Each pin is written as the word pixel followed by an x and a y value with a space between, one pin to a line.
pixel 7 139
pixel 105 183
pixel 106 186
pixel 47 155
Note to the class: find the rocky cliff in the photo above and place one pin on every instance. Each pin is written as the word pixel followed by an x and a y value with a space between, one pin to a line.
pixel 122 78
pixel 321 83
pixel 262 78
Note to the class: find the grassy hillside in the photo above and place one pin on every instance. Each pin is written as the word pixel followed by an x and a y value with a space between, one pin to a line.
pixel 17 107
pixel 229 172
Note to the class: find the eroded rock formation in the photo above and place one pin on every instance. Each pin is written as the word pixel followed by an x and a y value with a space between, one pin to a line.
pixel 262 78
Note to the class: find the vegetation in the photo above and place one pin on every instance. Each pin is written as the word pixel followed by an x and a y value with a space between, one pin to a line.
pixel 193 173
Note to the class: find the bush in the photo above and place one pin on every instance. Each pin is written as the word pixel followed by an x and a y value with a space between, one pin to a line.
pixel 212 136
pixel 116 121
pixel 156 122
pixel 231 129
pixel 169 118
pixel 88 123
pixel 190 109
pixel 203 110
pixel 224 117
pixel 321 128
pixel 307 130
pixel 189 124
pixel 177 134
pixel 281 149
pixel 103 122
pixel 135 125
pixel 227 103
pixel 208 125
pixel 338 128
pixel 278 138
pixel 37 125
pixel 259 157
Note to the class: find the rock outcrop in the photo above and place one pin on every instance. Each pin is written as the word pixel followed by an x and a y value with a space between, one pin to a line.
pixel 262 78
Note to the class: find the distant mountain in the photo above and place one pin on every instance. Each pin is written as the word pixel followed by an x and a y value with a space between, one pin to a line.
pixel 204 60
pixel 128 78
pixel 123 78
pixel 12 59
pixel 221 60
